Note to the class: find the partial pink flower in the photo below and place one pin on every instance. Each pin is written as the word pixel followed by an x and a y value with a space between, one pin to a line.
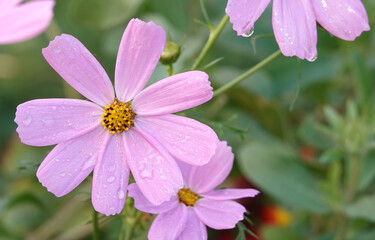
pixel 294 21
pixel 197 204
pixel 112 136
pixel 22 21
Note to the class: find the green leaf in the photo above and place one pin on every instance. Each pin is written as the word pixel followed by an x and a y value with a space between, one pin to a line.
pixel 273 167
pixel 363 208
pixel 310 133
pixel 100 14
pixel 242 230
pixel 368 235
pixel 280 233
pixel 331 155
pixel 333 117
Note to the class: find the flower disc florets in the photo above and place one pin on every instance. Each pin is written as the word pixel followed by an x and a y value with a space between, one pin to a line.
pixel 118 117
pixel 187 197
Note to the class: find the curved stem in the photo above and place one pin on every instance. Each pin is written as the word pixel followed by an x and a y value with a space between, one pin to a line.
pixel 95 235
pixel 214 34
pixel 248 73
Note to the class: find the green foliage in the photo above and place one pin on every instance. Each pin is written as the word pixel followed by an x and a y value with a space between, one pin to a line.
pixel 274 167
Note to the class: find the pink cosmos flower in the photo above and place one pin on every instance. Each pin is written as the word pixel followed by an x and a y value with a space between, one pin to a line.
pixel 20 22
pixel 294 21
pixel 111 135
pixel 197 204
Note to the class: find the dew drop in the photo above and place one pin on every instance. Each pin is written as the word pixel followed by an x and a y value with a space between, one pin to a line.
pixel 27 121
pixel 110 179
pixel 121 194
pixel 314 58
pixel 146 174
pixel 62 174
pixel 57 49
pixel 248 33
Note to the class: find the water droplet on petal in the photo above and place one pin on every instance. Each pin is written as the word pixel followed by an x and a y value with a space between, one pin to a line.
pixel 121 194
pixel 146 174
pixel 314 58
pixel 54 108
pixel 62 174
pixel 27 121
pixel 248 33
pixel 111 179
pixel 56 49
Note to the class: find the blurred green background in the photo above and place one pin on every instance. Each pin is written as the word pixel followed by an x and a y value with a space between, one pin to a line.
pixel 299 150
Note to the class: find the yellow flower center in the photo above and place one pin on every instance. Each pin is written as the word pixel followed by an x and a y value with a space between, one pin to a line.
pixel 118 117
pixel 187 197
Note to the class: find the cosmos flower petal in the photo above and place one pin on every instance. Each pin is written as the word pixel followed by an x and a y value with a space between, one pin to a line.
pixel 24 21
pixel 70 162
pixel 344 19
pixel 219 214
pixel 45 122
pixel 205 178
pixel 194 228
pixel 186 139
pixel 110 179
pixel 141 203
pixel 244 13
pixel 154 170
pixel 169 225
pixel 173 94
pixel 228 194
pixel 140 49
pixel 76 65
pixel 5 5
pixel 294 27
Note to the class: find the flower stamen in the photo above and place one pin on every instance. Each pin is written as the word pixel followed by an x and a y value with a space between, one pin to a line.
pixel 187 197
pixel 118 117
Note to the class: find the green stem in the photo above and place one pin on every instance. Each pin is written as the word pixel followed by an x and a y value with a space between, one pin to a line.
pixel 214 34
pixel 354 171
pixel 169 68
pixel 342 228
pixel 95 235
pixel 132 223
pixel 248 73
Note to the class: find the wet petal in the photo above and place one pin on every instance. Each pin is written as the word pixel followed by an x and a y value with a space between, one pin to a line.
pixel 219 214
pixel 205 178
pixel 142 204
pixel 25 21
pixel 173 94
pixel 194 228
pixel 110 179
pixel 70 162
pixel 168 225
pixel 244 13
pixel 228 194
pixel 76 65
pixel 186 139
pixel 344 19
pixel 45 122
pixel 140 49
pixel 294 27
pixel 154 170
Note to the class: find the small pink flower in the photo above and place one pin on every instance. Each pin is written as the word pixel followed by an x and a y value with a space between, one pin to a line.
pixel 294 21
pixel 134 131
pixel 20 22
pixel 197 204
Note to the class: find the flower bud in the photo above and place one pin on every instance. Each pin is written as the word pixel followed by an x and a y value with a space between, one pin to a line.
pixel 170 53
